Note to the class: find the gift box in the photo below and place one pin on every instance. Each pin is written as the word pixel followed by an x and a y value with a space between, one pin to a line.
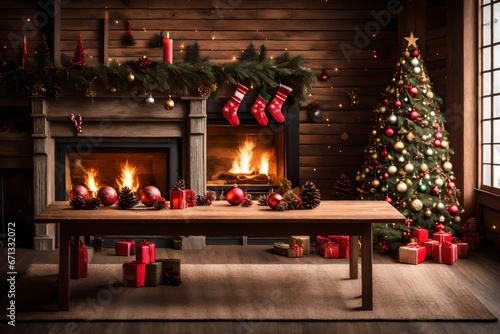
pixel 420 235
pixel 170 263
pixel 153 274
pixel 171 271
pixel 330 250
pixel 343 242
pixel 441 235
pixel 178 199
pixel 428 244
pixel 303 241
pixel 134 274
pixel 125 248
pixel 445 252
pixel 462 247
pixel 294 251
pixel 412 253
pixel 145 252
pixel 470 225
pixel 281 248
pixel 472 238
pixel 177 243
pixel 83 259
pixel 320 240
pixel 193 242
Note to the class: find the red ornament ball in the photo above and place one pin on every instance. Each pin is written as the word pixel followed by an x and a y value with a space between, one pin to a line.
pixel 398 103
pixel 451 185
pixel 414 115
pixel 453 210
pixel 386 101
pixel 384 153
pixel 438 135
pixel 435 191
pixel 274 200
pixel 235 196
pixel 413 91
pixel 389 132
pixel 387 175
pixel 107 195
pixel 415 53
pixel 388 200
pixel 437 143
pixel 149 195
pixel 78 191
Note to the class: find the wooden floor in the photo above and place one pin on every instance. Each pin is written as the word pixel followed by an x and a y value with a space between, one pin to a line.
pixel 480 273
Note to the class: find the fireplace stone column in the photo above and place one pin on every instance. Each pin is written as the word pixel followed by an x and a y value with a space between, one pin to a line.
pixel 44 233
pixel 197 174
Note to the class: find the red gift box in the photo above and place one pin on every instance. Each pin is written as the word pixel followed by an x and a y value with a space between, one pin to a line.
pixel 445 252
pixel 145 252
pixel 462 248
pixel 428 246
pixel 412 253
pixel 125 248
pixel 343 242
pixel 330 250
pixel 420 235
pixel 134 274
pixel 472 238
pixel 83 259
pixel 441 235
pixel 178 199
pixel 320 241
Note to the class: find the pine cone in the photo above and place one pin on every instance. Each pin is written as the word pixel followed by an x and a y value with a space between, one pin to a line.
pixel 91 203
pixel 296 204
pixel 160 203
pixel 207 199
pixel 262 200
pixel 310 195
pixel 180 185
pixel 289 196
pixel 282 206
pixel 77 202
pixel 284 186
pixel 247 201
pixel 97 244
pixel 127 198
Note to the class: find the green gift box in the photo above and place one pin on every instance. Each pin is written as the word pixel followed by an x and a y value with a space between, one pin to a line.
pixel 153 273
pixel 170 263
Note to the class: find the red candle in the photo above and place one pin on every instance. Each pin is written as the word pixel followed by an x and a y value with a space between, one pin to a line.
pixel 168 49
pixel 25 54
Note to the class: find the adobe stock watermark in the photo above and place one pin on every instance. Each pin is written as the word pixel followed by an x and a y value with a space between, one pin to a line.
pixel 362 37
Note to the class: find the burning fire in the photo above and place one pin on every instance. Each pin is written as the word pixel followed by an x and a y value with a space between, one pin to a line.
pixel 90 180
pixel 243 163
pixel 127 178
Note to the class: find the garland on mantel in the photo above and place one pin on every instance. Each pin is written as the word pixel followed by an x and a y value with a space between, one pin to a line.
pixel 182 78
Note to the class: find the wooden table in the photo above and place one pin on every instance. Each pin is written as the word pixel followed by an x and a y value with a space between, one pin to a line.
pixel 353 218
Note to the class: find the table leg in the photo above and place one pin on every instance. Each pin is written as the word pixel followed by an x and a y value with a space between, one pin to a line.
pixel 353 256
pixel 366 267
pixel 64 268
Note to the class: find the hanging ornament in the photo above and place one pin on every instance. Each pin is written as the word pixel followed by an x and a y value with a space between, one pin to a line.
pixel 401 159
pixel 398 103
pixel 428 213
pixel 392 119
pixel 437 143
pixel 414 62
pixel 438 182
pixel 128 37
pixel 384 153
pixel 429 95
pixel 392 169
pixel 451 185
pixel 413 91
pixel 429 151
pixel 410 136
pixel 440 206
pixel 375 183
pixel 399 146
pixel 149 100
pixel 323 76
pixel 438 135
pixel 408 167
pixel 414 115
pixel 168 104
pixel 382 109
pixel 435 191
pixel 441 219
pixel 130 77
pixel 447 166
pixel 388 199
pixel 422 188
pixel 456 219
pixel 417 70
pixel 389 132
pixel 112 90
pixel 401 187
pixel 453 210
pixel 416 205
pixel 424 168
pixel 353 95
pixel 444 144
pixel 415 53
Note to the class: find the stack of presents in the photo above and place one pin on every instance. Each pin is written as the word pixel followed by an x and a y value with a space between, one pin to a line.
pixel 330 247
pixel 442 248
pixel 147 270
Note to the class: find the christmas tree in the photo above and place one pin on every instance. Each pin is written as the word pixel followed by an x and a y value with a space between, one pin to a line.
pixel 79 58
pixel 343 189
pixel 407 161
pixel 42 54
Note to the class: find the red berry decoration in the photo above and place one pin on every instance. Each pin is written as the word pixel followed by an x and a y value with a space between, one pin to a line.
pixel 389 132
pixel 398 103
pixel 453 210
pixel 79 191
pixel 415 53
pixel 414 115
pixel 413 91
pixel 149 195
pixel 107 195
pixel 273 200
pixel 235 195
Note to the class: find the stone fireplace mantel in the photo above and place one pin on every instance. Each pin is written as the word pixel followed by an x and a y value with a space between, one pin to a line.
pixel 112 119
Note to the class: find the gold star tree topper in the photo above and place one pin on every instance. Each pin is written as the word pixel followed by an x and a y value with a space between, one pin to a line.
pixel 412 40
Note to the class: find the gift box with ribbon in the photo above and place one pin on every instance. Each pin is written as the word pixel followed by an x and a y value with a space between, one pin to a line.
pixel 83 259
pixel 343 242
pixel 294 251
pixel 153 274
pixel 281 248
pixel 462 247
pixel 145 252
pixel 441 235
pixel 420 235
pixel 412 253
pixel 472 238
pixel 303 241
pixel 445 252
pixel 125 247
pixel 428 247
pixel 134 274
pixel 171 271
pixel 330 250
pixel 320 240
pixel 178 199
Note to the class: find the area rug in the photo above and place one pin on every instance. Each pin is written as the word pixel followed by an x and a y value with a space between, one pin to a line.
pixel 291 292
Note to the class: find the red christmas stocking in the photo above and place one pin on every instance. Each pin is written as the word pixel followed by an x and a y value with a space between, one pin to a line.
pixel 275 106
pixel 230 110
pixel 259 107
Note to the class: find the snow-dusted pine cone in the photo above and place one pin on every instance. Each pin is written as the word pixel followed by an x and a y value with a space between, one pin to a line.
pixel 127 198
pixel 310 195
pixel 160 203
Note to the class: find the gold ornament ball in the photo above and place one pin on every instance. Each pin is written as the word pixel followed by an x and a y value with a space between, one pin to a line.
pixel 456 219
pixel 407 54
pixel 428 213
pixel 410 136
pixel 168 104
pixel 399 146
pixel 400 83
pixel 392 169
pixel 112 89
pixel 130 77
pixel 358 178
pixel 376 183
pixel 429 95
pixel 444 144
pixel 401 187
pixel 440 206
pixel 404 152
pixel 416 205
pixel 424 167
pixel 374 156
pixel 373 190
pixel 447 166
pixel 403 62
pixel 408 182
pixel 409 167
pixel 377 140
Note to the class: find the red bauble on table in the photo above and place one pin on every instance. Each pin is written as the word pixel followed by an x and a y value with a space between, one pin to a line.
pixel 149 195
pixel 235 196
pixel 273 200
pixel 79 191
pixel 107 195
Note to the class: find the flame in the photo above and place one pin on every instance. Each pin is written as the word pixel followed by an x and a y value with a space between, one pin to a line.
pixel 90 180
pixel 127 178
pixel 243 164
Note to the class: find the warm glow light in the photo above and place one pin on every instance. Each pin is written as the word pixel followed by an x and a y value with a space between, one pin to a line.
pixel 243 164
pixel 127 178
pixel 90 180
pixel 264 164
